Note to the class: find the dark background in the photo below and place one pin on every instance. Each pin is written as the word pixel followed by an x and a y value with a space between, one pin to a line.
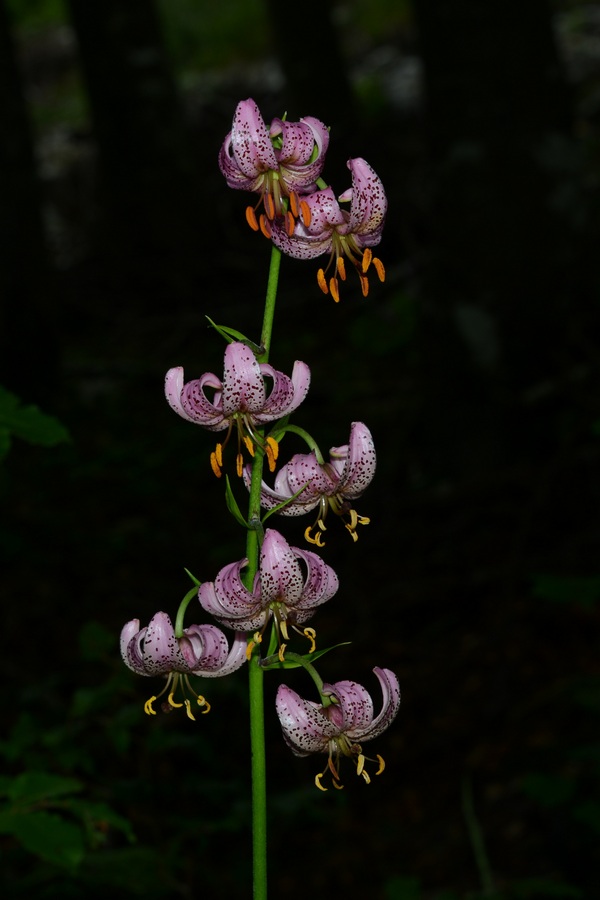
pixel 475 365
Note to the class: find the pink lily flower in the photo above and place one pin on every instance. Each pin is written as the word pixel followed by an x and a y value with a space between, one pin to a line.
pixel 201 650
pixel 280 163
pixel 327 228
pixel 240 400
pixel 289 585
pixel 331 485
pixel 337 727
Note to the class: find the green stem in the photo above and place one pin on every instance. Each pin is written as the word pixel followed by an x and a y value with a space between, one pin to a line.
pixel 256 674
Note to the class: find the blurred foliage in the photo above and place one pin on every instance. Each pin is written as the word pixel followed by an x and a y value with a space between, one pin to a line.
pixel 27 423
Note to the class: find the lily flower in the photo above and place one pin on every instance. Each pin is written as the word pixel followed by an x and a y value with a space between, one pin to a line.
pixel 339 724
pixel 327 485
pixel 289 585
pixel 201 650
pixel 327 228
pixel 240 400
pixel 280 163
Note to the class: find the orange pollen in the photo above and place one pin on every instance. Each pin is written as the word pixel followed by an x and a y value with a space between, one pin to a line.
pixel 290 223
pixel 239 465
pixel 322 282
pixel 305 213
pixel 269 205
pixel 265 226
pixel 251 218
pixel 334 288
pixel 341 267
pixel 294 204
pixel 379 268
pixel 366 260
pixel 364 284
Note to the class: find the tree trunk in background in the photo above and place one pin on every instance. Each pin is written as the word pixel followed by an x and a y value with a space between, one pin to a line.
pixel 147 180
pixel 504 209
pixel 27 343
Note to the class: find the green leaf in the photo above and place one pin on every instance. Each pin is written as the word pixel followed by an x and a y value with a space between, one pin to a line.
pixel 232 505
pixel 400 887
pixel 581 590
pixel 308 657
pixel 231 335
pixel 47 836
pixel 541 887
pixel 33 787
pixel 27 423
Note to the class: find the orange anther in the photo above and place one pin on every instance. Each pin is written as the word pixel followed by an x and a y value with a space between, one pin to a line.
pixel 269 206
pixel 366 260
pixel 215 465
pixel 379 268
pixel 239 465
pixel 341 267
pixel 264 226
pixel 305 213
pixel 333 287
pixel 251 218
pixel 290 223
pixel 364 283
pixel 322 282
pixel 294 204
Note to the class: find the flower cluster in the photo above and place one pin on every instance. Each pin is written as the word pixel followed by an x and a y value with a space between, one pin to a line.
pixel 303 218
pixel 269 596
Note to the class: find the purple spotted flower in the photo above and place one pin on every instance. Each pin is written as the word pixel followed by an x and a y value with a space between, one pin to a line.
pixel 241 400
pixel 289 585
pixel 280 163
pixel 201 650
pixel 339 724
pixel 327 228
pixel 327 485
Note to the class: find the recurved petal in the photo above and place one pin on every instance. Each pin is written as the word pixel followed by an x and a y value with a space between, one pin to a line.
pixel 280 574
pixel 305 728
pixel 355 704
pixel 321 582
pixel 251 145
pixel 286 394
pixel 390 689
pixel 227 597
pixel 161 653
pixel 304 469
pixel 243 385
pixel 360 461
pixel 235 658
pixel 212 655
pixel 190 401
pixel 369 202
pixel 130 646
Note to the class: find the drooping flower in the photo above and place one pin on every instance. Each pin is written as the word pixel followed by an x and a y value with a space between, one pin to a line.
pixel 201 650
pixel 240 400
pixel 289 585
pixel 327 228
pixel 337 727
pixel 280 163
pixel 330 485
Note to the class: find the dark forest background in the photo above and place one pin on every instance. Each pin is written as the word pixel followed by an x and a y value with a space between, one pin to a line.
pixel 475 365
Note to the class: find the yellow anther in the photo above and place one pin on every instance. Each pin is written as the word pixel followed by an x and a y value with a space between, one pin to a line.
pixel 366 776
pixel 364 285
pixel 318 782
pixel 188 710
pixel 249 443
pixel 341 267
pixel 272 443
pixel 239 465
pixel 294 203
pixel 172 702
pixel 269 206
pixel 148 709
pixel 215 465
pixel 256 639
pixel 381 765
pixel 219 454
pixel 264 226
pixel 317 539
pixel 290 223
pixel 338 787
pixel 360 764
pixel 366 260
pixel 322 282
pixel 311 634
pixel 333 287
pixel 363 520
pixel 251 218
pixel 305 213
pixel 202 702
pixel 284 629
pixel 282 653
pixel 379 268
